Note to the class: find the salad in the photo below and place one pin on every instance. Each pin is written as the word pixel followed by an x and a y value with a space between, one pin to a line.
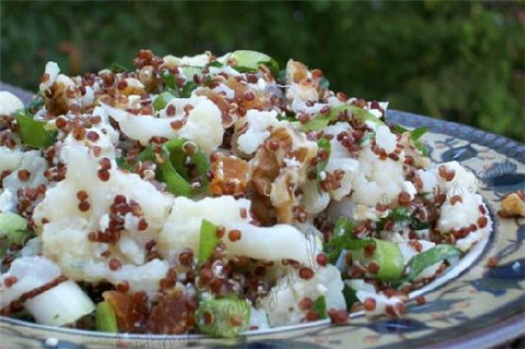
pixel 217 195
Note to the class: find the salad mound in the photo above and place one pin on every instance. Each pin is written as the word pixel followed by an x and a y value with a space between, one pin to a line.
pixel 217 195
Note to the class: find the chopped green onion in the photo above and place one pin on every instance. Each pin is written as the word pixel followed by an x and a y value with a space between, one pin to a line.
pixel 429 258
pixel 105 318
pixel 224 318
pixel 319 307
pixel 13 230
pixel 175 183
pixel 174 171
pixel 208 240
pixel 387 255
pixel 162 100
pixel 34 133
pixel 320 121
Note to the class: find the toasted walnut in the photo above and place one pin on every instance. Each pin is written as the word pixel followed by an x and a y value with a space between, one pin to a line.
pixel 513 205
pixel 230 175
pixel 278 168
pixel 296 72
pixel 56 100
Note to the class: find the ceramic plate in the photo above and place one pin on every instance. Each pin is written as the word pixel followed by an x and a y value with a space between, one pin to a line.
pixel 471 306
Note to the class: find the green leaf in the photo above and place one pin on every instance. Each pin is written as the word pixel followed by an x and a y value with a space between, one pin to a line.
pixel 350 295
pixel 170 84
pixel 34 133
pixel 429 258
pixel 105 318
pixel 208 240
pixel 249 61
pixel 319 307
pixel 216 64
pixel 402 215
pixel 188 89
pixel 214 317
pixel 320 121
pixel 417 133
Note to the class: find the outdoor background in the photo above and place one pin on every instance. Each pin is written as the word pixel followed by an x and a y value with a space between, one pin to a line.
pixel 460 61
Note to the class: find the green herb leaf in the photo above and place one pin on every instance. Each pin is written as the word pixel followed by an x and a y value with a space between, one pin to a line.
pixel 343 239
pixel 216 64
pixel 188 89
pixel 208 240
pixel 249 61
pixel 34 133
pixel 350 295
pixel 319 307
pixel 429 258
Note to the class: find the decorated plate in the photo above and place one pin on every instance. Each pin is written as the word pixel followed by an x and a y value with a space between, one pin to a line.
pixel 472 305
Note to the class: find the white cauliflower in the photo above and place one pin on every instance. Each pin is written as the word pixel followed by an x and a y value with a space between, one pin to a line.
pixel 9 103
pixel 204 125
pixel 282 303
pixel 65 233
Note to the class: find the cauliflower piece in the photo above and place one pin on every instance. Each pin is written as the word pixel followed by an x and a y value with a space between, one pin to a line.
pixel 144 278
pixel 461 213
pixel 35 164
pixel 340 160
pixel 182 230
pixel 257 132
pixel 51 72
pixel 314 201
pixel 8 201
pixel 378 181
pixel 204 125
pixel 182 227
pixel 385 138
pixel 11 158
pixel 201 60
pixel 9 103
pixel 65 231
pixel 273 243
pixel 282 303
pixel 31 272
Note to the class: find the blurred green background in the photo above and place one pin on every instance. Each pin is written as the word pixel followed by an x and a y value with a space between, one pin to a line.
pixel 461 61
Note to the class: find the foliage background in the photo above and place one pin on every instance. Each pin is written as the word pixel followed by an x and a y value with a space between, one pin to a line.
pixel 461 61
